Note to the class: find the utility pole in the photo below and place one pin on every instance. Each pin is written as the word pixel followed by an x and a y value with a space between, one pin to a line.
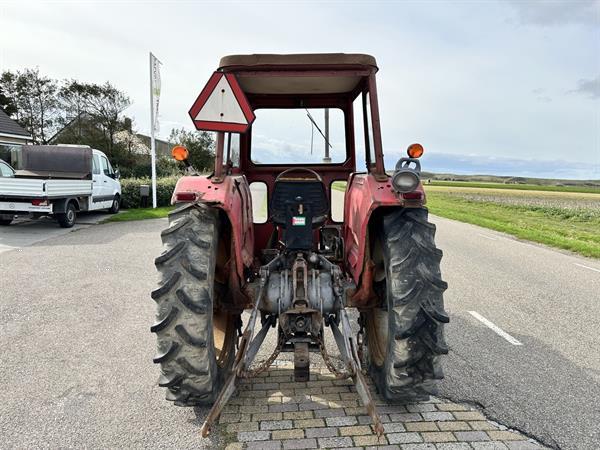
pixel 326 158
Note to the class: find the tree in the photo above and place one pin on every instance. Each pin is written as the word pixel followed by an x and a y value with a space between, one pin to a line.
pixel 72 98
pixel 8 99
pixel 7 103
pixel 106 103
pixel 84 113
pixel 34 98
pixel 200 145
pixel 132 143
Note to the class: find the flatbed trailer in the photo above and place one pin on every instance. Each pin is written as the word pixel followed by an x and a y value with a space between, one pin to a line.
pixel 54 188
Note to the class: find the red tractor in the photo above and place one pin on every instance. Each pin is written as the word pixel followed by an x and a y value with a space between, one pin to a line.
pixel 270 232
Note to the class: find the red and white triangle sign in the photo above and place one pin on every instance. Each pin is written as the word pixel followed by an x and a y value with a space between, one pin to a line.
pixel 222 106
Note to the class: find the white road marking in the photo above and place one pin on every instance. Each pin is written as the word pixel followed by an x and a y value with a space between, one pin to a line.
pixel 487 237
pixel 587 267
pixel 495 328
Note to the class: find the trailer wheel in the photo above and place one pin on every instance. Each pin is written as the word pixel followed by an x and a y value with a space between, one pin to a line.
pixel 116 205
pixel 68 218
pixel 196 341
pixel 404 337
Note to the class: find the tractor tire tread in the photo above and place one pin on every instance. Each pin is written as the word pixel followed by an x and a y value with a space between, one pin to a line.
pixel 183 328
pixel 415 307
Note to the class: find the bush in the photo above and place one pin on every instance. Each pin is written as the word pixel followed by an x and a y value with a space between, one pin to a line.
pixel 139 167
pixel 130 191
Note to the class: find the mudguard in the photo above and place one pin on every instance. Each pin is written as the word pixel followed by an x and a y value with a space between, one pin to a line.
pixel 232 195
pixel 59 206
pixel 364 195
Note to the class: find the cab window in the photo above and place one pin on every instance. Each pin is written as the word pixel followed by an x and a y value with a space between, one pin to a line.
pixel 299 136
pixel 6 171
pixel 105 166
pixel 96 165
pixel 233 149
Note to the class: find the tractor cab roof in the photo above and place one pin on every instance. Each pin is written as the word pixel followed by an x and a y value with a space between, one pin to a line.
pixel 312 73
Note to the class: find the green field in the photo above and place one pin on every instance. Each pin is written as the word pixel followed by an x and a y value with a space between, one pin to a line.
pixel 519 187
pixel 566 217
pixel 563 219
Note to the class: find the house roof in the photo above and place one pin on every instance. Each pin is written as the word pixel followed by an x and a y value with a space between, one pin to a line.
pixel 10 127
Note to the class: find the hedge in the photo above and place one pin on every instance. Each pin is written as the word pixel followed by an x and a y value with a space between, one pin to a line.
pixel 130 191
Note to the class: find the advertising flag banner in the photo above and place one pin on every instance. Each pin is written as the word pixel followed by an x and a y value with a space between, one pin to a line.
pixel 154 103
pixel 155 71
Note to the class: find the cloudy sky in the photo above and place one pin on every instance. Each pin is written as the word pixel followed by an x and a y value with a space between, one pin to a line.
pixel 503 87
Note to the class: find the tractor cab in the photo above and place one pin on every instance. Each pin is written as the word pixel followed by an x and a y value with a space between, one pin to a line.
pixel 316 121
pixel 298 222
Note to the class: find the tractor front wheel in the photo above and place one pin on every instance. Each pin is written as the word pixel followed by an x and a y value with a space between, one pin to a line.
pixel 196 339
pixel 404 336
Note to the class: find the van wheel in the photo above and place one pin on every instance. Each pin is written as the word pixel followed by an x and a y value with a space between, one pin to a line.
pixel 67 219
pixel 5 222
pixel 116 205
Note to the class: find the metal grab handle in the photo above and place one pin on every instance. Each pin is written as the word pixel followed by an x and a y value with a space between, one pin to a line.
pixel 404 163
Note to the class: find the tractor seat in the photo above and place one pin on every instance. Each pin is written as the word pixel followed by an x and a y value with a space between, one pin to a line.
pixel 291 190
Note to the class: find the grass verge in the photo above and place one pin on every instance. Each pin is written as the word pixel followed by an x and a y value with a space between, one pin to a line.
pixel 570 230
pixel 141 214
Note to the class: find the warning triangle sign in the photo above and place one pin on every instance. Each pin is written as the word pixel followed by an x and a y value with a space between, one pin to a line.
pixel 222 106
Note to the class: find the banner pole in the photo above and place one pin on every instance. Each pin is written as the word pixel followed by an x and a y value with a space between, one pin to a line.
pixel 152 143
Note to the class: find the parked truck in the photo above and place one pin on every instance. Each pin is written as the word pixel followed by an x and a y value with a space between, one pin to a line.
pixel 58 181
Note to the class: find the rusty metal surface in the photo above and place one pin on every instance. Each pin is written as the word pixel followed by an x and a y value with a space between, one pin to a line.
pixel 264 365
pixel 340 374
pixel 233 197
pixel 363 196
pixel 301 362
pixel 242 362
pixel 350 355
pixel 364 296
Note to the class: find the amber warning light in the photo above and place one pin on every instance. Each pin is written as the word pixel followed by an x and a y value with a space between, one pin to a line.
pixel 415 150
pixel 180 153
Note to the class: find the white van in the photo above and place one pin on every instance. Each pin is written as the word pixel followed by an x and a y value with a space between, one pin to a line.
pixel 58 181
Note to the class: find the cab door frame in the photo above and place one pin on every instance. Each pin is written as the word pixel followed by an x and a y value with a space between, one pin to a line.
pixel 100 189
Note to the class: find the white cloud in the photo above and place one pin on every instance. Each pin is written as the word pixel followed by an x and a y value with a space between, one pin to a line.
pixel 589 88
pixel 558 12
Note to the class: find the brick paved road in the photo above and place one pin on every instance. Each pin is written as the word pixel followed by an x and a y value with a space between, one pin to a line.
pixel 273 412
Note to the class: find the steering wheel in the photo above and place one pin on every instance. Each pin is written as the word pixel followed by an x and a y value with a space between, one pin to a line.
pixel 312 172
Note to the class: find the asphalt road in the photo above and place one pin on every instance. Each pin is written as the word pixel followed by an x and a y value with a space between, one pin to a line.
pixel 24 231
pixel 549 301
pixel 75 348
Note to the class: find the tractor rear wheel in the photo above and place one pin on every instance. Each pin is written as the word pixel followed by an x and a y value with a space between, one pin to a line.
pixel 404 336
pixel 196 339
